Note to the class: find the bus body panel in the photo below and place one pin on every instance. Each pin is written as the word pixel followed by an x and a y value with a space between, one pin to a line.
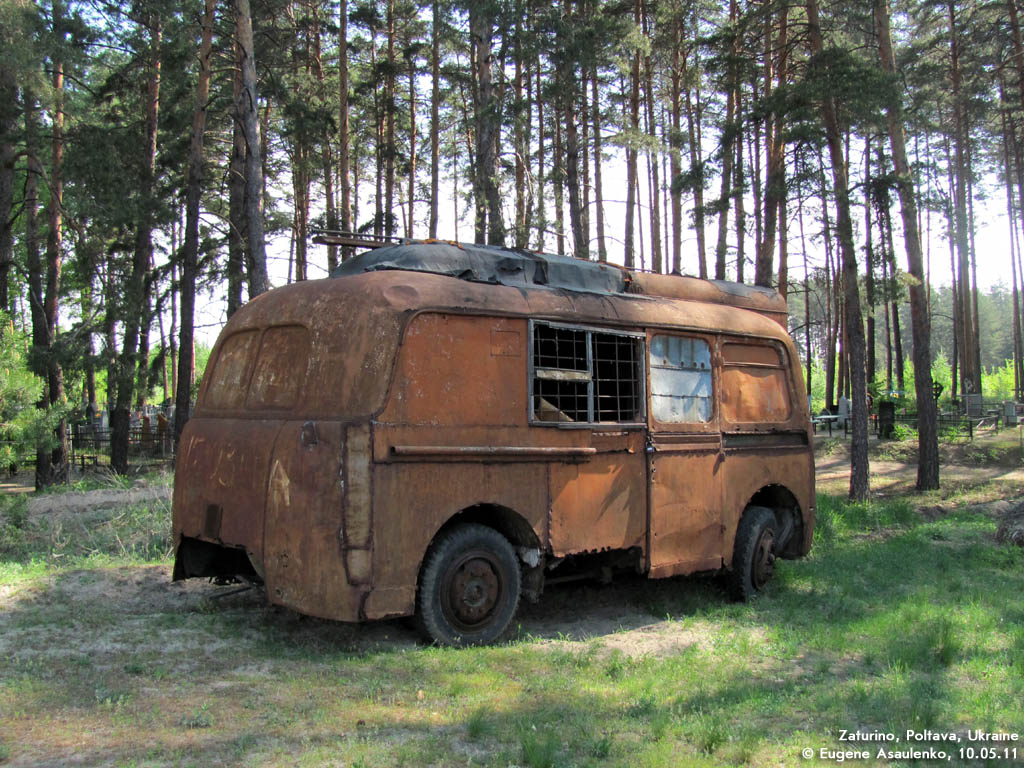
pixel 417 406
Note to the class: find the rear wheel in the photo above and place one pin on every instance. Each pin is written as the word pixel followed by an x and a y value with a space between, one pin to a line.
pixel 469 587
pixel 753 557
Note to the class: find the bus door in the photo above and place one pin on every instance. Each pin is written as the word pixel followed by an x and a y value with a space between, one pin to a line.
pixel 685 456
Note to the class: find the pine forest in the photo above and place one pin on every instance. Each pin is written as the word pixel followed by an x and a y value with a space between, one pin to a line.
pixel 161 163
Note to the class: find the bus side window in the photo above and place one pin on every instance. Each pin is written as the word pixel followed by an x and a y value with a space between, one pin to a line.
pixel 585 375
pixel 680 380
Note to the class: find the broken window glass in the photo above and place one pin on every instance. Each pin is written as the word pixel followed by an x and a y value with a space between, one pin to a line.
pixel 680 379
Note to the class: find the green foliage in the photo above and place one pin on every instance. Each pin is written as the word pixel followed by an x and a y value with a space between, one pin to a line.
pixel 997 381
pixel 23 427
pixel 539 748
pixel 136 533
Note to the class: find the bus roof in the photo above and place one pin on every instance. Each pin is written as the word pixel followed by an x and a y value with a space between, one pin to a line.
pixel 497 265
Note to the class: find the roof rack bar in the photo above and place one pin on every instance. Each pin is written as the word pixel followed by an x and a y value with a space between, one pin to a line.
pixel 352 239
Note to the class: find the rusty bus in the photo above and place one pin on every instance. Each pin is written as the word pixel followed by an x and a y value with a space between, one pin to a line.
pixel 438 429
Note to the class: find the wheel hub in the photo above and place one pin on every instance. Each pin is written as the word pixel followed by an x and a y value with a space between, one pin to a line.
pixel 764 558
pixel 474 591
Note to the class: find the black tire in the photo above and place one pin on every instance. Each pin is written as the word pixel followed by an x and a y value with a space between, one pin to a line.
pixel 753 557
pixel 469 587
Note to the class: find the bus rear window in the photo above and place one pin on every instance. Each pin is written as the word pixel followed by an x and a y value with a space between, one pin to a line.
pixel 280 368
pixel 230 379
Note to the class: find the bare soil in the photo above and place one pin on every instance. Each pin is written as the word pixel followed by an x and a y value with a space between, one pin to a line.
pixel 58 505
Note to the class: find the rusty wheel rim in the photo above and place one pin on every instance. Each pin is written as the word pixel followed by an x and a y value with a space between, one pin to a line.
pixel 472 589
pixel 764 558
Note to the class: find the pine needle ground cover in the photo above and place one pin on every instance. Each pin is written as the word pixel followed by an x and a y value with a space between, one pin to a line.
pixel 898 620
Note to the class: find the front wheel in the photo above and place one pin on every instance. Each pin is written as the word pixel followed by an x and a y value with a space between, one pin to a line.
pixel 469 587
pixel 753 557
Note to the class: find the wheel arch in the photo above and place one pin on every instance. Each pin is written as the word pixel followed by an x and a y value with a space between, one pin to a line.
pixel 504 520
pixel 789 517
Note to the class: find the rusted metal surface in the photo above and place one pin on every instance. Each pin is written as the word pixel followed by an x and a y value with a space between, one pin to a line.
pixel 418 498
pixel 303 519
pixel 761 300
pixel 600 504
pixel 344 422
pixel 686 497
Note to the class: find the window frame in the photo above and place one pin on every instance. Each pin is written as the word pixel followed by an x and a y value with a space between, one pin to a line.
pixel 712 342
pixel 638 337
pixel 784 366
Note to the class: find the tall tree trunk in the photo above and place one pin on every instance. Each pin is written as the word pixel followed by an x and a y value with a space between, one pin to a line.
pixel 190 247
pixel 584 117
pixel 300 186
pixel 869 269
pixel 595 116
pixel 481 27
pixel 411 225
pixel 968 337
pixel 327 164
pixel 729 132
pixel 143 378
pixel 8 128
pixel 1012 159
pixel 775 181
pixel 738 181
pixel 173 335
pixel 390 148
pixel 246 109
pixel 558 177
pixel 435 118
pixel 696 165
pixel 675 146
pixel 41 336
pixel 631 151
pixel 652 158
pixel 541 178
pixel 927 440
pixel 854 325
pixel 831 292
pixel 567 96
pixel 54 257
pixel 142 256
pixel 237 223
pixel 807 296
pixel 344 160
pixel 1011 217
pixel 522 148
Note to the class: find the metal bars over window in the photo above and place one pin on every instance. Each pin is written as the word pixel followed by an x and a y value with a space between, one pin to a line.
pixel 582 375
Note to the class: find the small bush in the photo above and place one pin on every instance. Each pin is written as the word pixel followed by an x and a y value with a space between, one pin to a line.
pixel 478 724
pixel 540 750
pixel 902 431
pixel 198 718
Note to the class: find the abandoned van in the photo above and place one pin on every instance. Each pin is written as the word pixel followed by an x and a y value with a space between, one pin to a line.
pixel 436 430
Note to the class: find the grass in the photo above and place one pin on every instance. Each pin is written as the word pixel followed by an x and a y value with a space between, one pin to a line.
pixel 133 533
pixel 893 622
pixel 104 478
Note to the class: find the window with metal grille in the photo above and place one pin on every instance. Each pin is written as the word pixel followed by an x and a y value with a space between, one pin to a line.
pixel 583 375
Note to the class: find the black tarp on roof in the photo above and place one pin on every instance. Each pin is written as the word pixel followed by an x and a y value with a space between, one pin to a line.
pixel 490 264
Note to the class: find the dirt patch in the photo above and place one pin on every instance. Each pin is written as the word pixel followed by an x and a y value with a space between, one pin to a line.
pixel 104 614
pixel 58 505
pixel 890 476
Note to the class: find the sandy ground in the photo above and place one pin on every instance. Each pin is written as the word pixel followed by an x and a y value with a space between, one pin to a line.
pixel 56 505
